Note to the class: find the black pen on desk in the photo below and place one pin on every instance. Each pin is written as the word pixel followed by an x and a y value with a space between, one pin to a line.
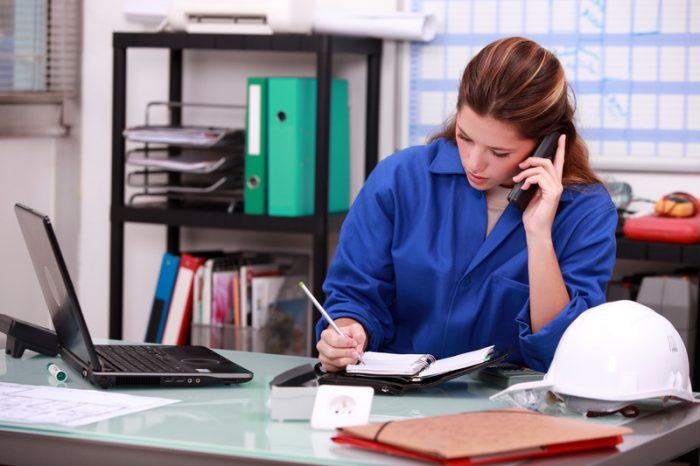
pixel 323 312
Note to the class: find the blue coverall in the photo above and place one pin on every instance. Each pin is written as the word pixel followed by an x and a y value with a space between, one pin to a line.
pixel 415 268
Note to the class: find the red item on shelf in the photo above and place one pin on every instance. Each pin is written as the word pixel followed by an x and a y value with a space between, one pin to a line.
pixel 664 229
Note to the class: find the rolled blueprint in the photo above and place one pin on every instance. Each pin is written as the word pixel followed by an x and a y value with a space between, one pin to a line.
pixel 397 26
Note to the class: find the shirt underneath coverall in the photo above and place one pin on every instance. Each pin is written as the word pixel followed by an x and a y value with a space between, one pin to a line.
pixel 415 268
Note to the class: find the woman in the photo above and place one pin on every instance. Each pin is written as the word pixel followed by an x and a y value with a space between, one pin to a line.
pixel 432 259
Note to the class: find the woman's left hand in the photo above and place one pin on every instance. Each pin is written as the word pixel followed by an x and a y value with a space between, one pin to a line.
pixel 539 214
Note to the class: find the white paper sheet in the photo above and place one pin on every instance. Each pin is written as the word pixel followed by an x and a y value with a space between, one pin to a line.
pixel 472 358
pixel 378 363
pixel 67 406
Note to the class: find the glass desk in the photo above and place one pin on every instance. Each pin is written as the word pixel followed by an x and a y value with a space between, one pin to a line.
pixel 230 425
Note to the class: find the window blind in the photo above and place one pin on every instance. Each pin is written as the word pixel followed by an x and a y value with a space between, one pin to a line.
pixel 39 50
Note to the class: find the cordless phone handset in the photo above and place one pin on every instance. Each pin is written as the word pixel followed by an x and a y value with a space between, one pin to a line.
pixel 546 149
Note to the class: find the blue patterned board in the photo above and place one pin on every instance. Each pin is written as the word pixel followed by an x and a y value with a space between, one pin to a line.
pixel 634 66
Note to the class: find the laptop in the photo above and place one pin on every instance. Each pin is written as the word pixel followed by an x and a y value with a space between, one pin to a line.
pixel 112 365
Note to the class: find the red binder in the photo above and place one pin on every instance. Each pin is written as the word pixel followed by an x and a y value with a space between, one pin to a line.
pixel 180 313
pixel 482 437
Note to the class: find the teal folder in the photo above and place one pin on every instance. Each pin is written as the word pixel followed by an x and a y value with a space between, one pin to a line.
pixel 255 189
pixel 291 124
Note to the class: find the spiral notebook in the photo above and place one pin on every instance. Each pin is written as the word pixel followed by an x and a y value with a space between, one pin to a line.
pixel 416 365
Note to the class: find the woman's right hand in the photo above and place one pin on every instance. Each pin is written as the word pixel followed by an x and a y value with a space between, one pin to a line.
pixel 336 351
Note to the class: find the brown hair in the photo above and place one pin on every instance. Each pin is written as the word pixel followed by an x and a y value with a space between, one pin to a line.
pixel 518 82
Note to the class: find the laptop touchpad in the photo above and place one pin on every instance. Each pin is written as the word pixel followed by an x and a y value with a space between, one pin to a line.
pixel 200 361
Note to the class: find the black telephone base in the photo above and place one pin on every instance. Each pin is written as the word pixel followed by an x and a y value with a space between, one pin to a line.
pixel 23 335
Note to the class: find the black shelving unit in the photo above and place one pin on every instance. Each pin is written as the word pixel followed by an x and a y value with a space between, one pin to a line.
pixel 681 254
pixel 318 225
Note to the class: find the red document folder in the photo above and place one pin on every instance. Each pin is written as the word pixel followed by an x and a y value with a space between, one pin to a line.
pixel 549 450
pixel 482 437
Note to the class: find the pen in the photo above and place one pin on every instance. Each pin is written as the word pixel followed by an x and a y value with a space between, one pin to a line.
pixel 322 311
pixel 56 372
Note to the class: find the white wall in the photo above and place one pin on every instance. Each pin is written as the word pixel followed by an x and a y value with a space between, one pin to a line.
pixel 27 176
pixel 654 185
pixel 43 174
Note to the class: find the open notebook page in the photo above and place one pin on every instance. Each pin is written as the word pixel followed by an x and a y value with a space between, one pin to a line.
pixel 442 366
pixel 388 364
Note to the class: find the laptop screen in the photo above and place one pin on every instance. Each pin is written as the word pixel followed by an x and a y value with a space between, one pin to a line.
pixel 56 285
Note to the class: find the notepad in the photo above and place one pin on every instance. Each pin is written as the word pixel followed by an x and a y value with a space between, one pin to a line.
pixel 416 365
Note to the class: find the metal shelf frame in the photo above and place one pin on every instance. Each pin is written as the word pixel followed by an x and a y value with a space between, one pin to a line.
pixel 318 225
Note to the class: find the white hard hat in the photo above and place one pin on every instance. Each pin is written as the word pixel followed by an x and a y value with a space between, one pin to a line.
pixel 618 352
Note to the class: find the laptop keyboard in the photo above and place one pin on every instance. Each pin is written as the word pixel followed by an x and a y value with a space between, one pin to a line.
pixel 136 358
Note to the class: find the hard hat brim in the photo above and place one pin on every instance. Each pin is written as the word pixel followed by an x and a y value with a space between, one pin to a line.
pixel 572 391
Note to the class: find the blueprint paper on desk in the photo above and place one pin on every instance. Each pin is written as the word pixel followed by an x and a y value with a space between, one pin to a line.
pixel 67 406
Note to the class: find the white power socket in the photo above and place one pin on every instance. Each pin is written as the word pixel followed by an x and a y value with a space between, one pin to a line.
pixel 341 406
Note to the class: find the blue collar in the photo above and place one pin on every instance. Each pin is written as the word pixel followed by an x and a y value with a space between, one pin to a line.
pixel 447 162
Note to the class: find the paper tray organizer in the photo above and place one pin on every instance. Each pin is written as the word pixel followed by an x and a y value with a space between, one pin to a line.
pixel 201 166
pixel 193 161
pixel 397 385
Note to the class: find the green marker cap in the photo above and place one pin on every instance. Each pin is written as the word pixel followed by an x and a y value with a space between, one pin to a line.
pixel 57 372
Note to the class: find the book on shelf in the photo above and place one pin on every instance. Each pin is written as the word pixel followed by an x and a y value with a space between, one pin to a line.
pixel 281 312
pixel 222 307
pixel 197 292
pixel 180 312
pixel 247 274
pixel 278 315
pixel 218 272
pixel 263 290
pixel 161 301
pixel 207 294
